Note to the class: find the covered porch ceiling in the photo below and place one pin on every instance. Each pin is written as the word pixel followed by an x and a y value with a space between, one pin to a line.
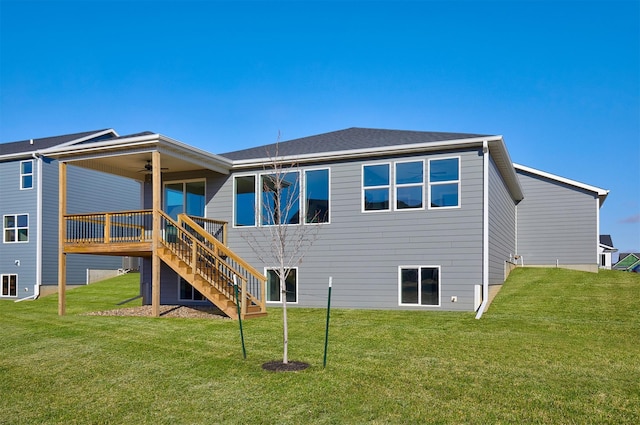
pixel 131 157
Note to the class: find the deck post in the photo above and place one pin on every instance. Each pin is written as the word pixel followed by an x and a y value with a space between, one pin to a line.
pixel 155 258
pixel 62 257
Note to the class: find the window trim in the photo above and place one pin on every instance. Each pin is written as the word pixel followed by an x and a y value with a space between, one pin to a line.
pixel 22 175
pixel 396 185
pixel 418 267
pixel 2 276
pixel 193 291
pixel 266 270
pixel 256 215
pixel 304 196
pixel 259 206
pixel 16 228
pixel 431 184
pixel 388 187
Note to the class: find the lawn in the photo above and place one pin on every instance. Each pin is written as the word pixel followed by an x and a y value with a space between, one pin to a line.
pixel 555 347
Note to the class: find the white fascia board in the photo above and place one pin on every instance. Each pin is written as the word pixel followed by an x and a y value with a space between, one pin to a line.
pixel 602 193
pixel 89 137
pixel 608 248
pixel 502 159
pixel 365 152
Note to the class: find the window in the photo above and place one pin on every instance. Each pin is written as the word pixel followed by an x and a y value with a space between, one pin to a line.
pixel 16 228
pixel 26 174
pixel 184 197
pixel 375 187
pixel 245 201
pixel 444 183
pixel 273 286
pixel 280 206
pixel 186 292
pixel 419 285
pixel 9 285
pixel 316 197
pixel 603 260
pixel 409 178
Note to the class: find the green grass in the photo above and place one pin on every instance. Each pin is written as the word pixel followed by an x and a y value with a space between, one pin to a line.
pixel 556 347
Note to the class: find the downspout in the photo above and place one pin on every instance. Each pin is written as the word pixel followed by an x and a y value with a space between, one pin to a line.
pixel 38 180
pixel 485 229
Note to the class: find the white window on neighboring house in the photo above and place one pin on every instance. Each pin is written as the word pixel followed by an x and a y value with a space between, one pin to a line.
pixel 274 294
pixel 26 174
pixel 15 228
pixel 419 285
pixel 9 285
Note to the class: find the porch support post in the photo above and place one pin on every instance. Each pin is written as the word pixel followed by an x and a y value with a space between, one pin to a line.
pixel 62 257
pixel 155 259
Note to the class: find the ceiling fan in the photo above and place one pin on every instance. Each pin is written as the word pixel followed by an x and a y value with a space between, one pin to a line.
pixel 148 167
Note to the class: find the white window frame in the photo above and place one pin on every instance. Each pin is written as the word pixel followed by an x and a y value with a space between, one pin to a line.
pixel 266 270
pixel 22 175
pixel 431 184
pixel 260 206
pixel 16 228
pixel 304 196
pixel 8 275
pixel 256 212
pixel 388 187
pixel 397 186
pixel 194 290
pixel 418 267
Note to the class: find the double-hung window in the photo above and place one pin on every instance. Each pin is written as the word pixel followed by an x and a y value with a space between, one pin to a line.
pixel 9 285
pixel 15 228
pixel 419 285
pixel 376 187
pixel 444 183
pixel 274 293
pixel 244 196
pixel 409 178
pixel 26 174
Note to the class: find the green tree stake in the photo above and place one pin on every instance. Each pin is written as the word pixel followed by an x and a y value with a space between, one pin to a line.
pixel 326 334
pixel 235 285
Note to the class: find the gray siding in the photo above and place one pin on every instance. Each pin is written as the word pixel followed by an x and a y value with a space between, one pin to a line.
pixel 16 201
pixel 502 228
pixel 556 221
pixel 362 251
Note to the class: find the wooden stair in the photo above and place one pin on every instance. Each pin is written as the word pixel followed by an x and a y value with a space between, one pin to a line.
pixel 210 267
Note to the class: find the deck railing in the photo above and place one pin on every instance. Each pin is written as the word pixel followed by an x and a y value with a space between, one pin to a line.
pixel 110 227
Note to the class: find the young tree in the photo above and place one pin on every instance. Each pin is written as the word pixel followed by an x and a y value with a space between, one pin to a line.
pixel 281 237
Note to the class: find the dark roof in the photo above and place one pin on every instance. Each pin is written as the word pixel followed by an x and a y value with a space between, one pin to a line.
pixel 606 240
pixel 24 146
pixel 344 140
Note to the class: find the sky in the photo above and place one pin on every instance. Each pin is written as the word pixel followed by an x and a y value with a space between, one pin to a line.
pixel 559 80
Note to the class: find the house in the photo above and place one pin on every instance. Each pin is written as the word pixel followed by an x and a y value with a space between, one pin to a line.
pixel 29 211
pixel 605 249
pixel 408 220
pixel 628 262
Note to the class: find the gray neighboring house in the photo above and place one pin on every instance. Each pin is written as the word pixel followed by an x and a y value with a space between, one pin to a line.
pixel 29 213
pixel 410 220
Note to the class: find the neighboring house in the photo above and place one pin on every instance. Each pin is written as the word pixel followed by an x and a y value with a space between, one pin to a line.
pixel 409 220
pixel 29 212
pixel 605 249
pixel 628 262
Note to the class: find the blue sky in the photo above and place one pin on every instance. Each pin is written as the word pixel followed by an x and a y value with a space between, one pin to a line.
pixel 559 80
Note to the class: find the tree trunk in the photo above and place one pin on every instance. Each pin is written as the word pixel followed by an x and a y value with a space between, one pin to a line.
pixel 285 328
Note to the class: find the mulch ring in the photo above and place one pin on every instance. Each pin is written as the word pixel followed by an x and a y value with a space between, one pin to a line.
pixel 278 366
pixel 181 311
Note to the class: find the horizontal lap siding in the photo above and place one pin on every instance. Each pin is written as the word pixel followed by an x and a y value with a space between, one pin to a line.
pixel 556 222
pixel 362 251
pixel 502 238
pixel 16 201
